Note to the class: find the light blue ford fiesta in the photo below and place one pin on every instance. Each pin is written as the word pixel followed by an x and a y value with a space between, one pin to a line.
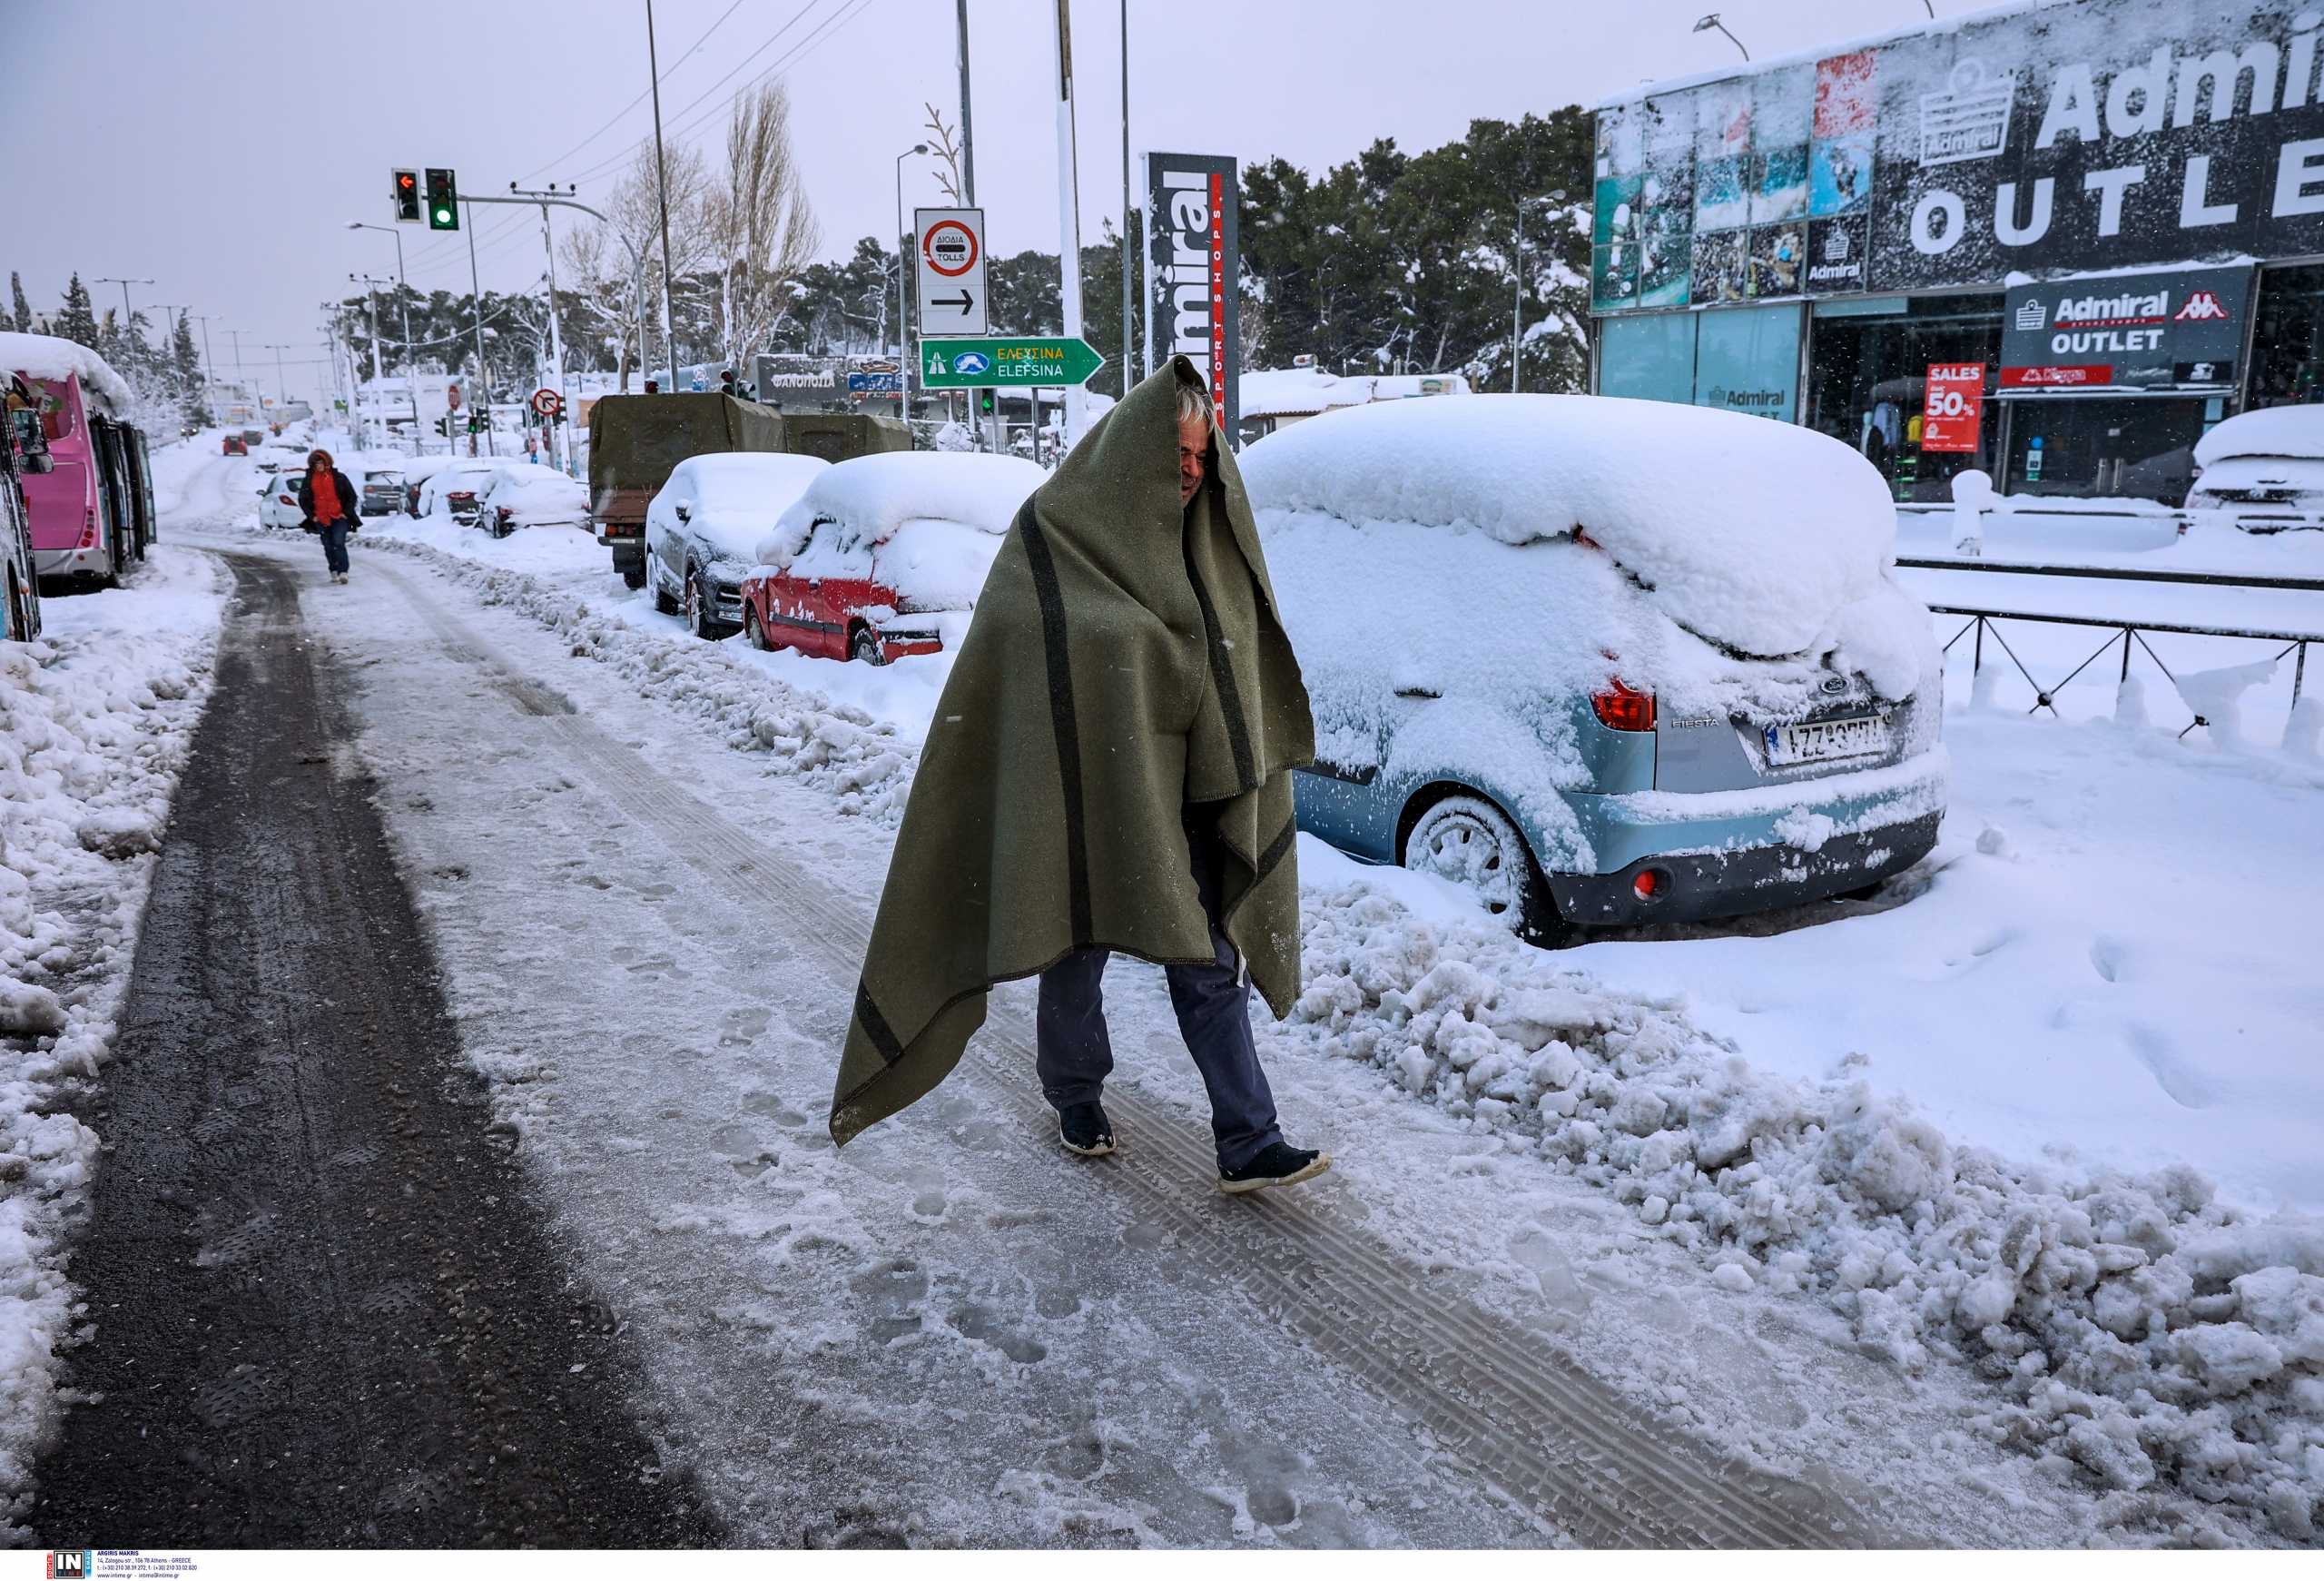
pixel 1603 662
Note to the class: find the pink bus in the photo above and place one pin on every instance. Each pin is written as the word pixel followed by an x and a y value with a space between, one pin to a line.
pixel 92 511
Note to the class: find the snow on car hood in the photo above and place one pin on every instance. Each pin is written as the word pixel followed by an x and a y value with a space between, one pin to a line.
pixel 1763 536
pixel 2278 431
pixel 872 495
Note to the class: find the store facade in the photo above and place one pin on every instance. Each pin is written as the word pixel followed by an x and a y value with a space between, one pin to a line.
pixel 2056 243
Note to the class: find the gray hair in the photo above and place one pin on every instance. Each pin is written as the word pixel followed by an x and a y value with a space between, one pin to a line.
pixel 1194 400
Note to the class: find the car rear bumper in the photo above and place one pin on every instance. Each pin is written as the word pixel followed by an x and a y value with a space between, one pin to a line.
pixel 1699 886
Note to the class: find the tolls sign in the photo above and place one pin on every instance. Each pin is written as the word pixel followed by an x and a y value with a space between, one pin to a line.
pixel 1955 407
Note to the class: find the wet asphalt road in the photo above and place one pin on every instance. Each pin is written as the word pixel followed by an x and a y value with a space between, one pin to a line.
pixel 327 1309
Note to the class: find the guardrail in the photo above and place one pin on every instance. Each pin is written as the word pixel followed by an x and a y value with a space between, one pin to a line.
pixel 2120 574
pixel 2125 632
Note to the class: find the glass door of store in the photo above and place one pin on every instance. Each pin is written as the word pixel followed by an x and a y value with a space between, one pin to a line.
pixel 2131 446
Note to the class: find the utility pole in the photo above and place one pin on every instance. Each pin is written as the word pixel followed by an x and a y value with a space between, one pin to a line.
pixel 483 371
pixel 403 299
pixel 377 377
pixel 209 367
pixel 661 195
pixel 243 383
pixel 1069 217
pixel 281 379
pixel 1128 293
pixel 903 331
pixel 968 137
pixel 124 284
pixel 555 336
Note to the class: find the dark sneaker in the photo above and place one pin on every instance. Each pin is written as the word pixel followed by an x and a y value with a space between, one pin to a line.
pixel 1085 1129
pixel 1280 1165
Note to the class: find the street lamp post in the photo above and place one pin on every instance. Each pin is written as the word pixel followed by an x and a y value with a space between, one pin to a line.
pixel 209 367
pixel 662 196
pixel 1706 24
pixel 903 333
pixel 281 379
pixel 403 298
pixel 124 284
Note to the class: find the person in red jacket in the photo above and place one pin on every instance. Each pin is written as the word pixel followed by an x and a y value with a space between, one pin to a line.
pixel 330 501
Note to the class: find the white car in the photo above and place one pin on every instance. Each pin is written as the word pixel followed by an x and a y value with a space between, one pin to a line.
pixel 2264 470
pixel 278 499
pixel 521 495
pixel 453 489
pixel 704 528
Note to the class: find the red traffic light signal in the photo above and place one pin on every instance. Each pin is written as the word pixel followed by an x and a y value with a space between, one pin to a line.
pixel 406 187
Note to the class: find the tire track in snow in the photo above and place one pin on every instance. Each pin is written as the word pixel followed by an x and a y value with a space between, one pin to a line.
pixel 1548 1436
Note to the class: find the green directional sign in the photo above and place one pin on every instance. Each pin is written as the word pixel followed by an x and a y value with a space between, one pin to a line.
pixel 965 364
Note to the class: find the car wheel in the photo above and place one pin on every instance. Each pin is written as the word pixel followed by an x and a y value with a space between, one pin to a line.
pixel 1468 841
pixel 754 632
pixel 865 647
pixel 699 618
pixel 634 577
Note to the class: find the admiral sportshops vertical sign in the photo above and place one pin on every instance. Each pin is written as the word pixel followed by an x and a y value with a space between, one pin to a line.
pixel 1192 264
pixel 2042 138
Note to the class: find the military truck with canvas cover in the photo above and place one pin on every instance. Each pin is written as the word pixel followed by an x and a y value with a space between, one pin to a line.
pixel 634 441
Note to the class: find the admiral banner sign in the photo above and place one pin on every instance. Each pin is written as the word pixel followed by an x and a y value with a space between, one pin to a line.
pixel 2179 329
pixel 2086 136
pixel 1192 265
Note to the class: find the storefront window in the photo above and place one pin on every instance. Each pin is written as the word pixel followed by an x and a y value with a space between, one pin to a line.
pixel 2287 343
pixel 1747 360
pixel 2138 447
pixel 1649 356
pixel 1869 387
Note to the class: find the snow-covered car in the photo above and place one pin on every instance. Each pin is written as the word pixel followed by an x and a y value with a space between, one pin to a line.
pixel 1602 661
pixel 452 489
pixel 2264 470
pixel 383 493
pixel 703 526
pixel 522 495
pixel 883 556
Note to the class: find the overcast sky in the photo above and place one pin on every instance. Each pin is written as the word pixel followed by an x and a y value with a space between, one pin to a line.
pixel 217 148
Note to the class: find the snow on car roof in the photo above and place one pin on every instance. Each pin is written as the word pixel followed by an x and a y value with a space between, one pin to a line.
pixel 51 356
pixel 1750 532
pixel 742 481
pixel 875 495
pixel 2277 431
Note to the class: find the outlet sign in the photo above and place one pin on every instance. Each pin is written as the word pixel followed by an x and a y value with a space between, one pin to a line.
pixel 2171 330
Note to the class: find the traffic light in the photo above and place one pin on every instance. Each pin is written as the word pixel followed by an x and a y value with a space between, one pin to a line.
pixel 407 194
pixel 987 399
pixel 443 201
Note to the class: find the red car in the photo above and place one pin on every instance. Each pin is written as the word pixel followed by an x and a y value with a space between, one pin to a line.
pixel 882 553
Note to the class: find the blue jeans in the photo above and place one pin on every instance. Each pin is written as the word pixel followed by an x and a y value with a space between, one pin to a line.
pixel 1073 1055
pixel 334 536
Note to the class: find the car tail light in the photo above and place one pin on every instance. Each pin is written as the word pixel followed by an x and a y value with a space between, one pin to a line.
pixel 456 494
pixel 89 529
pixel 1648 883
pixel 287 499
pixel 1621 707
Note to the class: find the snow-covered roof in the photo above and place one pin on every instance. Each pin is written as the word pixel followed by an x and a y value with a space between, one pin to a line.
pixel 1727 70
pixel 51 356
pixel 733 498
pixel 2277 430
pixel 1750 532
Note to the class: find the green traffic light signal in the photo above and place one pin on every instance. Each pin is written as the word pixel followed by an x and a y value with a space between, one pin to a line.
pixel 443 201
pixel 985 401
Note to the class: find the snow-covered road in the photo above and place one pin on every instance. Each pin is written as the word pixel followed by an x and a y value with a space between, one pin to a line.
pixel 1463 1336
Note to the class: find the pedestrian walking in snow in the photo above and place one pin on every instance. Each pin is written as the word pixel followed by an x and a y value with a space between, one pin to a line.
pixel 1108 772
pixel 329 500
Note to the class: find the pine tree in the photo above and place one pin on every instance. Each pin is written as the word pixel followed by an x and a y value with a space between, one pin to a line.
pixel 22 309
pixel 78 320
pixel 185 372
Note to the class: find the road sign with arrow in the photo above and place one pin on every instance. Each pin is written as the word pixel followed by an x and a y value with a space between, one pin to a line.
pixel 1041 360
pixel 950 267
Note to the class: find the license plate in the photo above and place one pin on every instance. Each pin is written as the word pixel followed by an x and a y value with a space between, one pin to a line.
pixel 1826 739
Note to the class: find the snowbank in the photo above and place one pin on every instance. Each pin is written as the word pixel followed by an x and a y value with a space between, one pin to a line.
pixel 1759 536
pixel 2134 1329
pixel 95 724
pixel 49 357
pixel 872 495
pixel 2277 431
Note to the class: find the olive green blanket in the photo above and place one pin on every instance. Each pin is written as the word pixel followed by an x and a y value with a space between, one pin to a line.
pixel 1125 673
